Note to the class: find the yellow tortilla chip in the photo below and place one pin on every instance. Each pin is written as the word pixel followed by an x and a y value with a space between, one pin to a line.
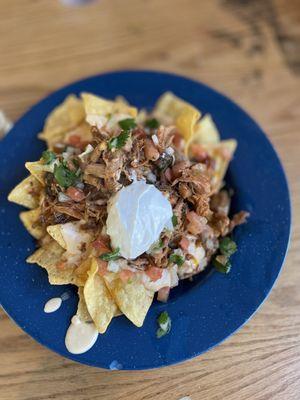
pixel 65 117
pixel 32 223
pixel 99 301
pixel 222 153
pixel 82 311
pixel 48 257
pixel 171 109
pixel 70 236
pixel 95 105
pixel 132 298
pixel 55 232
pixel 206 131
pixel 82 272
pixel 26 193
pixel 38 170
pixel 83 131
pixel 121 99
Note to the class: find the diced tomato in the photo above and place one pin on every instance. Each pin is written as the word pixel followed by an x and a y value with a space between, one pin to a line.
pixel 74 140
pixel 75 194
pixel 154 273
pixel 178 140
pixel 184 243
pixel 101 249
pixel 101 241
pixel 125 275
pixel 102 267
pixel 198 152
pixel 61 265
pixel 163 294
pixel 101 246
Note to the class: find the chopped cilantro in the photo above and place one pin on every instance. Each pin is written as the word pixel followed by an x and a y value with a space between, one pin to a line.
pixel 65 177
pixel 220 267
pixel 227 246
pixel 48 156
pixel 152 123
pixel 127 124
pixel 163 318
pixel 119 141
pixel 177 259
pixel 115 254
pixel 174 220
pixel 164 322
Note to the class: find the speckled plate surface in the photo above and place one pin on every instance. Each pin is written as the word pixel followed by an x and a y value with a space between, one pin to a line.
pixel 203 312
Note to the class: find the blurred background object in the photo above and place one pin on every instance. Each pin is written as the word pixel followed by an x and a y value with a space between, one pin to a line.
pixel 248 49
pixel 75 2
pixel 5 124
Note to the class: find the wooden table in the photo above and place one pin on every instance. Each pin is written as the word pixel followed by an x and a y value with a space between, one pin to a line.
pixel 246 49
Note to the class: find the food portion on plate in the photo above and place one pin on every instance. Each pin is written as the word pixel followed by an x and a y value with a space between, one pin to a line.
pixel 125 203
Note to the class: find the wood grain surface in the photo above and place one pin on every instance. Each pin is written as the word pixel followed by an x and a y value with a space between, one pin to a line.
pixel 249 50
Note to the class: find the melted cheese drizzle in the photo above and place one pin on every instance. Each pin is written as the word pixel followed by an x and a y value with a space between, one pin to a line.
pixel 80 336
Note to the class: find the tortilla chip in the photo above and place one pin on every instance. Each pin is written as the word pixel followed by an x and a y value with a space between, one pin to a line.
pixel 47 257
pixel 206 131
pixel 70 236
pixel 95 105
pixel 99 301
pixel 170 109
pixel 83 131
pixel 38 169
pixel 26 193
pixel 81 272
pixel 32 223
pixel 64 117
pixel 82 311
pixel 121 99
pixel 55 232
pixel 222 153
pixel 132 298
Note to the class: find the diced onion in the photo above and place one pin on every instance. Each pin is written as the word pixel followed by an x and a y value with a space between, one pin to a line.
pixel 170 151
pixel 113 266
pixel 155 139
pixel 62 197
pixel 80 185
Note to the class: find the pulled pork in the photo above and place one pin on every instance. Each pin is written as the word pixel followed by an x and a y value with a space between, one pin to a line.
pixel 156 155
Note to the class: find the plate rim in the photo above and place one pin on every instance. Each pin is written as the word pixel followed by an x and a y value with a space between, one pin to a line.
pixel 245 114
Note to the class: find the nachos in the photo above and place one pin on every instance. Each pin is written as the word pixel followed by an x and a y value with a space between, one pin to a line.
pixel 125 203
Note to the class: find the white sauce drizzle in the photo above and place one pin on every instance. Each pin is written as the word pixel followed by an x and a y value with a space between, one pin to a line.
pixel 52 305
pixel 80 336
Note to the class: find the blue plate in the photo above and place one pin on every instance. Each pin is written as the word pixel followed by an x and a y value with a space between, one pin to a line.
pixel 203 312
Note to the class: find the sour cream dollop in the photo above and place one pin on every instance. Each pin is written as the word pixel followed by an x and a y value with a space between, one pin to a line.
pixel 137 215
